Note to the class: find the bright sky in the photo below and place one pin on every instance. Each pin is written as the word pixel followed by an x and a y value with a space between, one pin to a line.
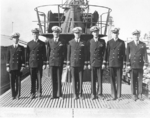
pixel 127 15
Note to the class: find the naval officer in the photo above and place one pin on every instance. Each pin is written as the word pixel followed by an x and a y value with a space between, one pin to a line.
pixel 96 50
pixel 15 65
pixel 136 61
pixel 36 60
pixel 115 57
pixel 56 53
pixel 77 59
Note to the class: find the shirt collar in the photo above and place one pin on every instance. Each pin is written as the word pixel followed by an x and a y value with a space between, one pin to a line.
pixel 15 45
pixel 136 42
pixel 56 39
pixel 77 40
pixel 95 39
pixel 36 40
pixel 116 39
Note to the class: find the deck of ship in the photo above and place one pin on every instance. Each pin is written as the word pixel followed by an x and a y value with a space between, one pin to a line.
pixel 68 107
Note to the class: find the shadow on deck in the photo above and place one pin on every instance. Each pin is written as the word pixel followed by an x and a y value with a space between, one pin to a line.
pixel 68 102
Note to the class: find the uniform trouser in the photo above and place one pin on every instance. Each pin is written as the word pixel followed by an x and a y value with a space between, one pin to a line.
pixel 116 78
pixel 15 82
pixel 96 73
pixel 56 72
pixel 136 81
pixel 36 76
pixel 77 80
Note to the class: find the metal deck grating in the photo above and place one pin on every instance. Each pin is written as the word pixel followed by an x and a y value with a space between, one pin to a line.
pixel 68 102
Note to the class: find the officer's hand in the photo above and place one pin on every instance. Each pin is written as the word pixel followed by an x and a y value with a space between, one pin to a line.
pixel 44 67
pixel 89 66
pixel 144 67
pixel 103 66
pixel 68 67
pixel 85 67
pixel 47 66
pixel 21 69
pixel 124 73
pixel 124 66
pixel 129 67
pixel 7 69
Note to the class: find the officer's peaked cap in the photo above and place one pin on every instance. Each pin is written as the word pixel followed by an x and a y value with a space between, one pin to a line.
pixel 56 28
pixel 94 28
pixel 77 29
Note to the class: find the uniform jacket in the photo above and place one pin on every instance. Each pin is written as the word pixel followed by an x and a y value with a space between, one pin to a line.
pixel 36 54
pixel 96 52
pixel 115 53
pixel 136 55
pixel 56 52
pixel 15 57
pixel 77 53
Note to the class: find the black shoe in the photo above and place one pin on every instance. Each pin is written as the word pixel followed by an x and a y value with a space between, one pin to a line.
pixel 75 97
pixel 81 97
pixel 140 98
pixel 112 99
pixel 119 99
pixel 93 97
pixel 39 97
pixel 61 98
pixel 51 97
pixel 101 97
pixel 13 98
pixel 32 96
pixel 18 98
pixel 134 98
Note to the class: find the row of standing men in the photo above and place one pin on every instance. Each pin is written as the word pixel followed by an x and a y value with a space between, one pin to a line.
pixel 93 54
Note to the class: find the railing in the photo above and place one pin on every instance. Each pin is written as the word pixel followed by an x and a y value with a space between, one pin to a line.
pixel 104 13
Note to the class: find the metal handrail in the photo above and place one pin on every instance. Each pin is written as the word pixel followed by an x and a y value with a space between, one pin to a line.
pixel 101 23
